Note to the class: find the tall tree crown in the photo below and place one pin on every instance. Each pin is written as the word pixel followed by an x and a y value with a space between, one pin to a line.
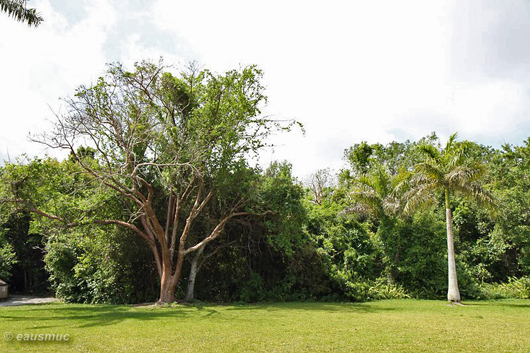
pixel 446 170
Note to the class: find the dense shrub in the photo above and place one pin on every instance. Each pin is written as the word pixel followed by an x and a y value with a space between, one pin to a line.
pixel 515 288
pixel 101 266
pixel 7 259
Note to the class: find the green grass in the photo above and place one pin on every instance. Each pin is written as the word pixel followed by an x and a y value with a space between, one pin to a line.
pixel 391 325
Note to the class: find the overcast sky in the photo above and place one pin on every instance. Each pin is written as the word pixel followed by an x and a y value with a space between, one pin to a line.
pixel 350 71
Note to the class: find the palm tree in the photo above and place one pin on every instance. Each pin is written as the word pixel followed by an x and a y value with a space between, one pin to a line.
pixel 375 194
pixel 18 10
pixel 448 171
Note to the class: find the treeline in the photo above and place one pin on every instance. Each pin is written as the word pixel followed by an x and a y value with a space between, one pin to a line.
pixel 164 204
pixel 404 251
pixel 260 256
pixel 329 237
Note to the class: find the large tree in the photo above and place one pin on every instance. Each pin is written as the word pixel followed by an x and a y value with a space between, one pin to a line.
pixel 446 171
pixel 19 11
pixel 165 147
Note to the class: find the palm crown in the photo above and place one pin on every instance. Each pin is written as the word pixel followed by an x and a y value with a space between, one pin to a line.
pixel 448 170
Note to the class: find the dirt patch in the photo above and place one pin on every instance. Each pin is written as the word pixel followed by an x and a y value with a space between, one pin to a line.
pixel 15 300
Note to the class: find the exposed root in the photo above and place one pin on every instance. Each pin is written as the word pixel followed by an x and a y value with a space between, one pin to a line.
pixel 456 304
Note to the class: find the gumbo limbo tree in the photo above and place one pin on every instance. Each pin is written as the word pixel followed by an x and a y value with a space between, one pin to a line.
pixel 168 147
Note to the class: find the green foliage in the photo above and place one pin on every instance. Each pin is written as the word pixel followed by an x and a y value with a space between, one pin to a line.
pixel 91 265
pixel 422 267
pixel 393 157
pixel 86 263
pixel 359 157
pixel 61 258
pixel 355 243
pixel 515 288
pixel 347 248
pixel 448 171
pixel 51 187
pixel 254 289
pixel 282 196
pixel 267 257
pixel 381 289
pixel 28 274
pixel 510 170
pixel 7 258
pixel 170 149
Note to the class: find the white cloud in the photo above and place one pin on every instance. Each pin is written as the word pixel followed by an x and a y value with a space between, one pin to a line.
pixel 349 71
pixel 44 64
pixel 492 108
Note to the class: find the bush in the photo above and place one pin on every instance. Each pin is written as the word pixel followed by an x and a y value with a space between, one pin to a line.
pixel 515 288
pixel 422 269
pixel 7 260
pixel 97 267
pixel 381 289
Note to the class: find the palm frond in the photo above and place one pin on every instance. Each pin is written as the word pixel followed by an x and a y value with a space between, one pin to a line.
pixel 450 142
pixel 366 200
pixel 473 191
pixel 17 9
pixel 372 193
pixel 430 171
pixel 463 174
pixel 458 154
pixel 430 151
pixel 420 196
pixel 402 180
pixel 365 180
pixel 361 209
pixel 393 205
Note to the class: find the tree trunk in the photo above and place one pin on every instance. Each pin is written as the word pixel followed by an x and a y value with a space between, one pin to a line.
pixel 167 287
pixel 190 293
pixel 394 272
pixel 453 294
pixel 386 232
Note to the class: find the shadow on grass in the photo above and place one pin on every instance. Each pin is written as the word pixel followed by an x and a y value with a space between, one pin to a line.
pixel 501 304
pixel 88 315
pixel 518 306
pixel 84 316
pixel 316 306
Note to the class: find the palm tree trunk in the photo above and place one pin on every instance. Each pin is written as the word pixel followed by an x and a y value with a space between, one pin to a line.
pixel 453 294
pixel 385 232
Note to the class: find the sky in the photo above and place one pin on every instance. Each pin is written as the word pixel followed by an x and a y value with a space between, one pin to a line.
pixel 349 71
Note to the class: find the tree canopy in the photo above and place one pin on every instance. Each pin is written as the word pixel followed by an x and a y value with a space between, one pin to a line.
pixel 162 141
pixel 158 200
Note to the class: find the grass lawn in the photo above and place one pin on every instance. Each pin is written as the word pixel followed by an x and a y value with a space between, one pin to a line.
pixel 392 325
